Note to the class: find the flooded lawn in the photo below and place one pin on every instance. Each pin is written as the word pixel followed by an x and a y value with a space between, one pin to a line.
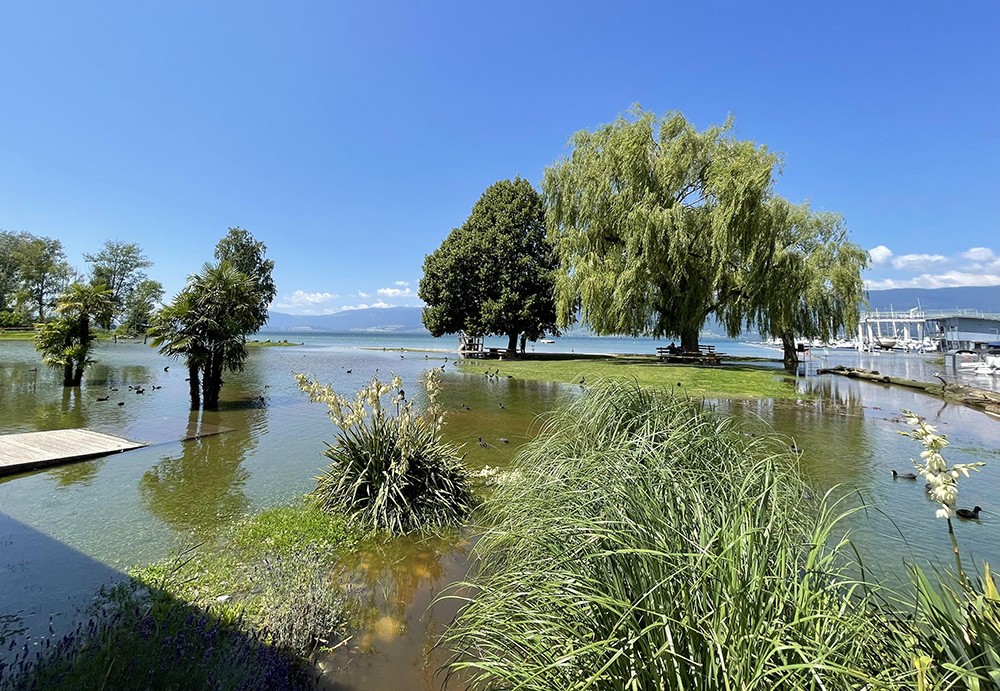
pixel 66 530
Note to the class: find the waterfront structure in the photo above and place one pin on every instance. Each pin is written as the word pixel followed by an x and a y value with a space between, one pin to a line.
pixel 923 331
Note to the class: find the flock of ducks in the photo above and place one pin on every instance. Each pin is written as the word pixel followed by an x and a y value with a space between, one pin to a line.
pixel 968 514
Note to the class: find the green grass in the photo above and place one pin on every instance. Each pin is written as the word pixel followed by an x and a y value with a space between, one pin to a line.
pixel 272 574
pixel 740 380
pixel 651 545
pixel 6 335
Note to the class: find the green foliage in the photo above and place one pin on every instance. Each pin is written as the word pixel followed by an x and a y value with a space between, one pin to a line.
pixel 650 545
pixel 119 266
pixel 66 341
pixel 814 289
pixel 390 471
pixel 493 275
pixel 656 224
pixel 957 630
pixel 208 321
pixel 42 272
pixel 140 306
pixel 247 256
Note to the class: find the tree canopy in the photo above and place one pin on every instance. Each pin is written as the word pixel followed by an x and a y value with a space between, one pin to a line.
pixel 119 266
pixel 494 274
pixel 656 224
pixel 208 321
pixel 43 272
pixel 66 341
pixel 814 290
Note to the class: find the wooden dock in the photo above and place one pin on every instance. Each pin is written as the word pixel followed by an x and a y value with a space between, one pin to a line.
pixel 31 450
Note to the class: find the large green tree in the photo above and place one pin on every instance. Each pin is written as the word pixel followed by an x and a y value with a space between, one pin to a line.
pixel 657 225
pixel 206 324
pixel 119 266
pixel 44 273
pixel 814 289
pixel 67 340
pixel 140 307
pixel 10 268
pixel 494 274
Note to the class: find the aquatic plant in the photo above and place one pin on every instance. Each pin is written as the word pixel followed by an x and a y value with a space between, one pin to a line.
pixel 390 469
pixel 651 545
pixel 956 630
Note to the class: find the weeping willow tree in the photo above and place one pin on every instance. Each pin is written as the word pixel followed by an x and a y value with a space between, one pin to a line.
pixel 657 225
pixel 814 289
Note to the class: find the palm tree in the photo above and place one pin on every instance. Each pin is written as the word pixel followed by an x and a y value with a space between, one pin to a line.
pixel 67 340
pixel 205 324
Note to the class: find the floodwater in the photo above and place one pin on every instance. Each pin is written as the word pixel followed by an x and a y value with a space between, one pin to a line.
pixel 65 531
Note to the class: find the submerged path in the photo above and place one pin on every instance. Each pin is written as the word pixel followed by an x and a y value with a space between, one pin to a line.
pixel 30 450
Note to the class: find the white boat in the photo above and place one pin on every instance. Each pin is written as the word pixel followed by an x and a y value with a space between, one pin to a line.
pixel 885 343
pixel 547 340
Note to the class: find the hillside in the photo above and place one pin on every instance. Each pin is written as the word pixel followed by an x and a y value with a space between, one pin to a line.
pixel 388 319
pixel 981 298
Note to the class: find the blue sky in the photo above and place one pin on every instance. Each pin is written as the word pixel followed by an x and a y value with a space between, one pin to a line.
pixel 352 137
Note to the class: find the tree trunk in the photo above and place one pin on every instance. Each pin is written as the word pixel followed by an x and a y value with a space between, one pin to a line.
pixel 68 374
pixel 194 385
pixel 78 373
pixel 791 356
pixel 689 339
pixel 212 382
pixel 512 344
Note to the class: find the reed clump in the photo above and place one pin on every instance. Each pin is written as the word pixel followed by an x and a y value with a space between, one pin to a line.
pixel 651 545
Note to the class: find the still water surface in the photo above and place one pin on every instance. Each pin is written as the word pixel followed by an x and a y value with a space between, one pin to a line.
pixel 64 531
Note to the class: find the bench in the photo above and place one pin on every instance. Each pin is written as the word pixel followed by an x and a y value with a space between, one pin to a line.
pixel 706 355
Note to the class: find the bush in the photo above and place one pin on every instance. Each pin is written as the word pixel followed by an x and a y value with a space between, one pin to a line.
pixel 390 471
pixel 651 545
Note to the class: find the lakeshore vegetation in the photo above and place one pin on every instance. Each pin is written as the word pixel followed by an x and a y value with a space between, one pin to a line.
pixel 646 542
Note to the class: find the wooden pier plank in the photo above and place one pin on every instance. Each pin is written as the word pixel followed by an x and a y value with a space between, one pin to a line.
pixel 30 450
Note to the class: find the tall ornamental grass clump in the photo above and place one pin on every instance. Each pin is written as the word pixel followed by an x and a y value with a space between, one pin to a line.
pixel 654 546
pixel 389 468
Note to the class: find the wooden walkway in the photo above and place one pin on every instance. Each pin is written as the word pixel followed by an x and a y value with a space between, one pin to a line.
pixel 23 452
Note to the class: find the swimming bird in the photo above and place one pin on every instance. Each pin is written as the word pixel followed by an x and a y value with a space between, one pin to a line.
pixel 501 406
pixel 903 476
pixel 103 398
pixel 349 371
pixel 33 369
pixel 504 440
pixel 167 368
pixel 795 449
pixel 112 388
pixel 582 379
pixel 483 444
pixel 972 515
pixel 121 402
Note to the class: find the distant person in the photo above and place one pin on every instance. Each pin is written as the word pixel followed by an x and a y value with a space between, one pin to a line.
pixel 672 348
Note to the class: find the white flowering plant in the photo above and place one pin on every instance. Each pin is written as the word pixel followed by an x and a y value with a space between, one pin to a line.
pixel 390 469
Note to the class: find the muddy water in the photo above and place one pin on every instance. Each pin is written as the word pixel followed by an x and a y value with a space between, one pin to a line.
pixel 64 531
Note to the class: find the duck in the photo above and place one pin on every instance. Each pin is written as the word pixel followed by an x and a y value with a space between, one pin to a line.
pixel 103 398
pixel 504 440
pixel 483 444
pixel 971 515
pixel 121 402
pixel 903 476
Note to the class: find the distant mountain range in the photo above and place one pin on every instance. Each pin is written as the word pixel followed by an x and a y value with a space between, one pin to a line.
pixel 407 319
pixel 982 298
pixel 373 319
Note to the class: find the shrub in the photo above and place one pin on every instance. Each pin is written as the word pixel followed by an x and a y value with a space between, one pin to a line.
pixel 390 469
pixel 651 545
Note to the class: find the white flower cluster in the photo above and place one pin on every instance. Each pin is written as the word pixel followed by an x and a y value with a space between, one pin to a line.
pixel 941 478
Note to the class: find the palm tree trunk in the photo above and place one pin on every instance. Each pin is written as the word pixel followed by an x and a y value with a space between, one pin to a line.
pixel 194 385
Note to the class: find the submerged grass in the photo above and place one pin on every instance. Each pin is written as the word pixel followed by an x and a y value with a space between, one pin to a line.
pixel 651 545
pixel 727 381
pixel 242 612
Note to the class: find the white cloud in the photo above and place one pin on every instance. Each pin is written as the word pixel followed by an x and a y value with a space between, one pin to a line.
pixel 949 279
pixel 395 292
pixel 402 283
pixel 379 305
pixel 978 254
pixel 301 299
pixel 364 296
pixel 880 255
pixel 913 262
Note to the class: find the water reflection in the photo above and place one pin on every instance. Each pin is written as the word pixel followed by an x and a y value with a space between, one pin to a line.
pixel 204 485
